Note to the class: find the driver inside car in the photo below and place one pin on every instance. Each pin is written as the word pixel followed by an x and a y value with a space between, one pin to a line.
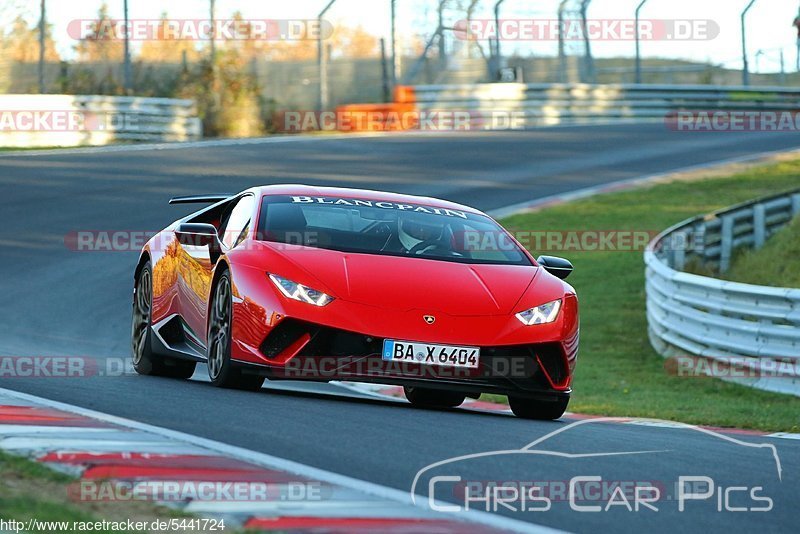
pixel 418 235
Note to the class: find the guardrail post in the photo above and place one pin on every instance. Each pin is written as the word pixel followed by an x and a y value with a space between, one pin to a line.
pixel 698 245
pixel 796 205
pixel 679 251
pixel 726 244
pixel 759 226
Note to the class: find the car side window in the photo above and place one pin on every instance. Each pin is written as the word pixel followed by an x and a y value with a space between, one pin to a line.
pixel 236 224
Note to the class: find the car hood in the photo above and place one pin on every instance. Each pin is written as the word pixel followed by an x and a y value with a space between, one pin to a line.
pixel 402 283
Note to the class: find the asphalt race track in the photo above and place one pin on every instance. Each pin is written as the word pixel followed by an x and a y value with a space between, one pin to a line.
pixel 60 302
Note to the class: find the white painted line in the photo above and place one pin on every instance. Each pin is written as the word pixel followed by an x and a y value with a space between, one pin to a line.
pixel 371 390
pixel 622 185
pixel 784 435
pixel 84 444
pixel 13 430
pixel 97 447
pixel 374 390
pixel 273 462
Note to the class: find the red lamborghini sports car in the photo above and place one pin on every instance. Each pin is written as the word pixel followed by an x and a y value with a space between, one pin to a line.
pixel 291 282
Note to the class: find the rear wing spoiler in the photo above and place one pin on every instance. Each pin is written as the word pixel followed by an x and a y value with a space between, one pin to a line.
pixel 199 199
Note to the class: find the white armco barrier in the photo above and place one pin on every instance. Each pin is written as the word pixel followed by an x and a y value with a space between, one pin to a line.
pixel 75 120
pixel 739 332
pixel 550 104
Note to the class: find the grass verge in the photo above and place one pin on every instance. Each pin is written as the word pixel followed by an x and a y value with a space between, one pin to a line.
pixel 774 265
pixel 618 371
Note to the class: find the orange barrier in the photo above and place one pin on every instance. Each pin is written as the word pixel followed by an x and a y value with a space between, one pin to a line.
pixel 391 117
pixel 405 94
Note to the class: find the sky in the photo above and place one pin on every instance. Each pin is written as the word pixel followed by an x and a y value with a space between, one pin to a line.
pixel 769 22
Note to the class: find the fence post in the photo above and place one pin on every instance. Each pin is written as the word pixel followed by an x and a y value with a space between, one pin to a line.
pixel 42 45
pixel 745 66
pixel 384 71
pixel 126 68
pixel 395 58
pixel 497 55
pixel 587 44
pixel 638 53
pixel 322 62
pixel 562 56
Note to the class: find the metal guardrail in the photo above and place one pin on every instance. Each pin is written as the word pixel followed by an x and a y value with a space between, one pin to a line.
pixel 74 120
pixel 548 104
pixel 751 333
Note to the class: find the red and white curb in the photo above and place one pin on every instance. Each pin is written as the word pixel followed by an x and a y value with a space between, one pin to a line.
pixel 396 392
pixel 106 453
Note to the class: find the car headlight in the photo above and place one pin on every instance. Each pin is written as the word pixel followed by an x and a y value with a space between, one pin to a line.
pixel 296 291
pixel 544 314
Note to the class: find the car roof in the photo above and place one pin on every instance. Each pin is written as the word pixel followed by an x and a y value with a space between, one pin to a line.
pixel 365 194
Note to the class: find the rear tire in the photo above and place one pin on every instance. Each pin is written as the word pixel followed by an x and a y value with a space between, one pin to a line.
pixel 221 370
pixel 433 398
pixel 145 361
pixel 537 409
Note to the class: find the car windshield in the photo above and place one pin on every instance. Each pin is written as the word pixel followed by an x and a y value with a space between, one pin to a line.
pixel 387 228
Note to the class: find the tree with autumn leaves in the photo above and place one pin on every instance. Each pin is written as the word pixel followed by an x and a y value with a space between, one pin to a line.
pixel 229 98
pixel 21 43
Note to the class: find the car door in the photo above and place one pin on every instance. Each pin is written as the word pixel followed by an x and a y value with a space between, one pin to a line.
pixel 197 267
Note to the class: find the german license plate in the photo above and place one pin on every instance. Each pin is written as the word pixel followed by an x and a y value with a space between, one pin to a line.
pixel 430 354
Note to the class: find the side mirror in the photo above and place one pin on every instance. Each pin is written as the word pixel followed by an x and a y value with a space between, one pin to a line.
pixel 558 267
pixel 197 235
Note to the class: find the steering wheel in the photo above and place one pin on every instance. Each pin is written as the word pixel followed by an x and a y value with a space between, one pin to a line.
pixel 420 247
pixel 380 229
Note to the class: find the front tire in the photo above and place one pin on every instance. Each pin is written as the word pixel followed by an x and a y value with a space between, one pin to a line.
pixel 538 410
pixel 433 398
pixel 221 370
pixel 145 361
